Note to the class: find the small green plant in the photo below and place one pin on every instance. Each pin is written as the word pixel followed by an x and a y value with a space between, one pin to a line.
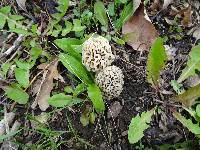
pixel 156 62
pixel 138 125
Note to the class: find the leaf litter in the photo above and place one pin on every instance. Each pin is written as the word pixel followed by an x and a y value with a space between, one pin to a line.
pixel 46 86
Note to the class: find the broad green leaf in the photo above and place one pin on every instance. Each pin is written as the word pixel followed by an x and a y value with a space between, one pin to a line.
pixel 94 94
pixel 77 25
pixel 5 67
pixel 125 15
pixel 194 128
pixel 62 100
pixel 138 125
pixel 66 45
pixel 5 10
pixel 121 1
pixel 16 17
pixel 79 89
pixel 75 67
pixel 68 89
pixel 189 96
pixel 17 94
pixel 67 29
pixel 2 22
pixel 11 24
pixel 111 9
pixel 198 110
pixel 100 13
pixel 22 76
pixel 35 52
pixel 156 61
pixel 192 64
pixel 20 31
pixel 23 64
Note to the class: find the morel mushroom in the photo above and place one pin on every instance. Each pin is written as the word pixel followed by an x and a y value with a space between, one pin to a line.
pixel 97 53
pixel 110 80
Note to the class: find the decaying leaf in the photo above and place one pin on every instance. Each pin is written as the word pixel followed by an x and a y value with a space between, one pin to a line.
pixel 187 17
pixel 189 96
pixel 8 119
pixel 22 4
pixel 138 32
pixel 196 34
pixel 166 3
pixel 114 110
pixel 46 85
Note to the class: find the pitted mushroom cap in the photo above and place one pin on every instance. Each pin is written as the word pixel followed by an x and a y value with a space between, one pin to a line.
pixel 110 81
pixel 97 53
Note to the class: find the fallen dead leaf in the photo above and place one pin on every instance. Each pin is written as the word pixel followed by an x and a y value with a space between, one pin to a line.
pixel 155 6
pixel 114 110
pixel 196 34
pixel 22 4
pixel 8 119
pixel 166 3
pixel 187 13
pixel 46 85
pixel 138 32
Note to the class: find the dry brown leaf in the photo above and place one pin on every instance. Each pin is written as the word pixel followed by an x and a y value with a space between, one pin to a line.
pixel 187 13
pixel 166 3
pixel 22 4
pixel 46 85
pixel 138 32
pixel 155 6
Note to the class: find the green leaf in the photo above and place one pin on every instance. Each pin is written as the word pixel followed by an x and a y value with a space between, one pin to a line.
pixel 16 17
pixel 66 45
pixel 138 125
pixel 94 94
pixel 67 29
pixel 79 89
pixel 198 110
pixel 92 117
pixel 20 31
pixel 111 9
pixel 75 67
pixel 84 119
pixel 100 13
pixel 125 15
pixel 189 96
pixel 192 64
pixel 156 61
pixel 23 64
pixel 22 76
pixel 5 67
pixel 5 10
pixel 2 22
pixel 194 128
pixel 35 52
pixel 17 94
pixel 62 100
pixel 77 25
pixel 177 86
